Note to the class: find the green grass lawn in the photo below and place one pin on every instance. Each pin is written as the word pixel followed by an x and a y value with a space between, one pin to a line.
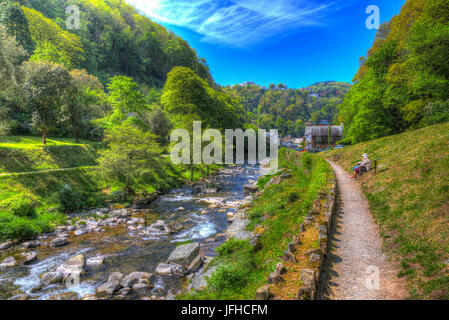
pixel 25 154
pixel 23 142
pixel 409 198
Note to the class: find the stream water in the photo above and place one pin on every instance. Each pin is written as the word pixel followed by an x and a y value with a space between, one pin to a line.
pixel 203 219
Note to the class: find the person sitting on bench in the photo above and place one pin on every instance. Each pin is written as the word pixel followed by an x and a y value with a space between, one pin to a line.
pixel 362 166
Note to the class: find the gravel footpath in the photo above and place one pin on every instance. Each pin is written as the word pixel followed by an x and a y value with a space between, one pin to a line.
pixel 356 252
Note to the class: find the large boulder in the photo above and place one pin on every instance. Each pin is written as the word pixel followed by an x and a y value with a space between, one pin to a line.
pixel 184 254
pixel 236 226
pixel 73 266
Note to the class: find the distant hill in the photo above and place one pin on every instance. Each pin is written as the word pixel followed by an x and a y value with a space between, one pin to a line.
pixel 113 39
pixel 290 109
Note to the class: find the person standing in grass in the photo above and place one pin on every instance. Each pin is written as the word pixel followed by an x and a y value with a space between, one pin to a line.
pixel 365 163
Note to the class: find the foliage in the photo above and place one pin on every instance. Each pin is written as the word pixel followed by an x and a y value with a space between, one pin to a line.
pixel 289 109
pixel 22 205
pixel 159 124
pixel 16 23
pixel 404 81
pixel 69 198
pixel 44 86
pixel 83 103
pixel 130 152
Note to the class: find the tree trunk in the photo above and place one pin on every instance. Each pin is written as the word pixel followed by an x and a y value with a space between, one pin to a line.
pixel 77 138
pixel 44 137
pixel 191 172
pixel 207 170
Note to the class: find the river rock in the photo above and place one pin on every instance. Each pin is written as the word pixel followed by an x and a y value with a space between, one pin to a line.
pixel 6 245
pixel 31 244
pixel 89 297
pixel 251 188
pixel 52 277
pixel 133 278
pixel 158 228
pixel 29 257
pixel 247 235
pixel 200 280
pixel 19 297
pixel 73 266
pixel 170 269
pixel 95 261
pixel 58 242
pixel 80 232
pixel 119 213
pixel 196 264
pixel 111 286
pixel 236 226
pixel 174 227
pixel 8 262
pixel 184 254
pixel 64 296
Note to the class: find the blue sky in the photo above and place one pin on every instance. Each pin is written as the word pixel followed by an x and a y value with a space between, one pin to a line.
pixel 295 42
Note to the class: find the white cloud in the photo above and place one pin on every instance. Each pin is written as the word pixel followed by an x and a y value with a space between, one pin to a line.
pixel 240 23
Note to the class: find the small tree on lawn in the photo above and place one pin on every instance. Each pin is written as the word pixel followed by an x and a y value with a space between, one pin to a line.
pixel 130 152
pixel 44 88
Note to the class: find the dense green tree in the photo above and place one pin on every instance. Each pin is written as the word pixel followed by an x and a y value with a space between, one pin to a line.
pixel 130 151
pixel 82 102
pixel 159 124
pixel 16 23
pixel 44 87
pixel 126 100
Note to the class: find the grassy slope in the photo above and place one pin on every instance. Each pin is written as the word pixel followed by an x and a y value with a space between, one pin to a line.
pixel 23 154
pixel 18 154
pixel 409 198
pixel 245 271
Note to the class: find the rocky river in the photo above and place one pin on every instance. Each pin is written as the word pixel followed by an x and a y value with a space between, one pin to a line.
pixel 122 253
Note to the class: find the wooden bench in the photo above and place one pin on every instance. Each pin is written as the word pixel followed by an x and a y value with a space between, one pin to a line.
pixel 370 168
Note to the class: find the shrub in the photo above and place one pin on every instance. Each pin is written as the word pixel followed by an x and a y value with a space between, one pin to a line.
pixel 232 276
pixel 232 246
pixel 69 198
pixel 22 205
pixel 19 228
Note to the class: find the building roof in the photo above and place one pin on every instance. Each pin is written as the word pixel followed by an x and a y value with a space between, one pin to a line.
pixel 323 131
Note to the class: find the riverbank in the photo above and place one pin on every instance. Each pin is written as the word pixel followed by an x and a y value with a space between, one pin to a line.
pixel 275 217
pixel 126 240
